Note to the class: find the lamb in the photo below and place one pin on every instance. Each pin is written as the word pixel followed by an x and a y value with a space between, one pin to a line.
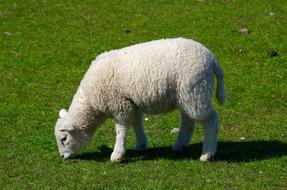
pixel 152 77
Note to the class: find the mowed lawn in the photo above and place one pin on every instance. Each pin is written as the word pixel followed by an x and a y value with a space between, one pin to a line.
pixel 46 46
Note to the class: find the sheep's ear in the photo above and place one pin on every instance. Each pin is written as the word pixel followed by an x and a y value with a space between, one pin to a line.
pixel 67 127
pixel 62 113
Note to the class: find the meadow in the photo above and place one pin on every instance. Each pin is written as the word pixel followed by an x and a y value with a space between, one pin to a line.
pixel 46 46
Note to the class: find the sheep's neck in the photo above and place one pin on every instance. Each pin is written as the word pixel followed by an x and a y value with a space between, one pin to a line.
pixel 87 117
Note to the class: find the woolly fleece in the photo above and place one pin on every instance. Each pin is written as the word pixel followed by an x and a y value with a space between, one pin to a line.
pixel 152 77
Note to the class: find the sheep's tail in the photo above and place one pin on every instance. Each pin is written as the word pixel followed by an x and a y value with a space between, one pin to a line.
pixel 220 90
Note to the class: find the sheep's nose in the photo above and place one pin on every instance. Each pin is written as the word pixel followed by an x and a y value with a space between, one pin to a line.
pixel 67 155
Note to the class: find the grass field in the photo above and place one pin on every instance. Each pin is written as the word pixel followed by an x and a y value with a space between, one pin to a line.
pixel 46 46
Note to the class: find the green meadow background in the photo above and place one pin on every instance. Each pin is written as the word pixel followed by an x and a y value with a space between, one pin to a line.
pixel 46 46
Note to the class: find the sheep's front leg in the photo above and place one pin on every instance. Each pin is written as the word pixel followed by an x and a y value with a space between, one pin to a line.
pixel 210 125
pixel 141 140
pixel 119 149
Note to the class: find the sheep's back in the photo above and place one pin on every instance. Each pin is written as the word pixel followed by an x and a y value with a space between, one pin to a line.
pixel 152 74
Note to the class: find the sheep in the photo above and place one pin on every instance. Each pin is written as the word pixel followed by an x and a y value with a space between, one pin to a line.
pixel 152 77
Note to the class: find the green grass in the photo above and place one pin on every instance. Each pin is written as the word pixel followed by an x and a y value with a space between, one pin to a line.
pixel 46 47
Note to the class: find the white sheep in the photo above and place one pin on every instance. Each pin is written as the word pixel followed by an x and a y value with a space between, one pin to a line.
pixel 152 77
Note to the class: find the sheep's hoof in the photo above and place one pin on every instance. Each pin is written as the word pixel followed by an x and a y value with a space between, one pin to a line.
pixel 206 157
pixel 140 148
pixel 117 156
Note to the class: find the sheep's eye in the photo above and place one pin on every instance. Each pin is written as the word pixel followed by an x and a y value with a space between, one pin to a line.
pixel 63 139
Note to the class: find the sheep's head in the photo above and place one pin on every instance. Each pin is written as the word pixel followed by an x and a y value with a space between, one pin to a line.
pixel 69 139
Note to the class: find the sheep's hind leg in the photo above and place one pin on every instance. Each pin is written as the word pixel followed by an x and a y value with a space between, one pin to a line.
pixel 119 148
pixel 141 140
pixel 185 133
pixel 210 125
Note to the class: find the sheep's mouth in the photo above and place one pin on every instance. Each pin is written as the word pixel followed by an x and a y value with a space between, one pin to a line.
pixel 67 155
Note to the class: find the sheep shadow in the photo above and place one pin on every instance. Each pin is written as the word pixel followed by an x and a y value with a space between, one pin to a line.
pixel 233 152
